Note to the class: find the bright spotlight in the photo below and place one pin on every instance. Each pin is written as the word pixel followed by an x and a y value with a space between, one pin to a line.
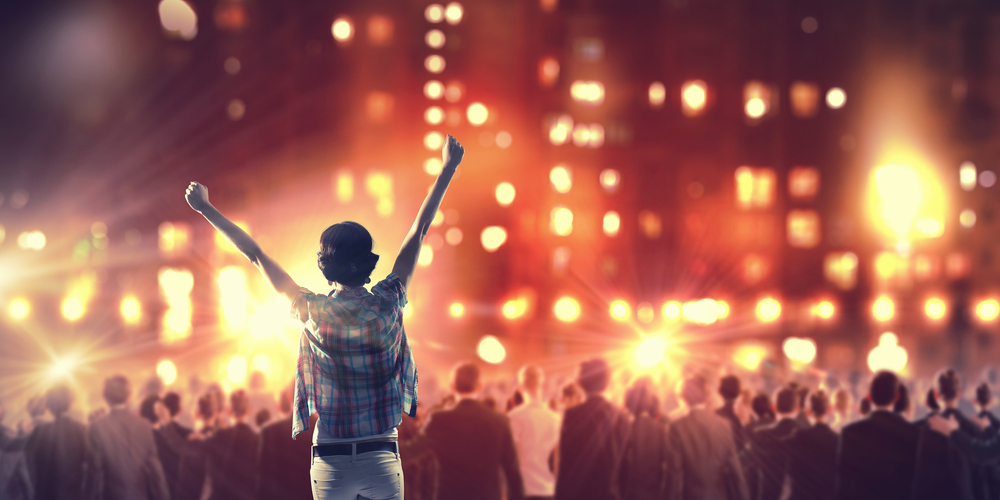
pixel 612 223
pixel 768 310
pixel 456 310
pixel 756 107
pixel 566 309
pixel 167 371
pixel 72 308
pixel 433 141
pixel 237 369
pixel 800 350
pixel 694 96
pixel 233 295
pixel 434 63
pixel 672 310
pixel 587 92
pixel 434 13
pixel 477 113
pixel 988 310
pixel 657 94
pixel 453 13
pixel 888 355
pixel 883 309
pixel 505 194
pixel 561 221
pixel 824 309
pixel 62 368
pixel 836 98
pixel 342 30
pixel 434 89
pixel 491 350
pixel 515 308
pixel 651 351
pixel 493 237
pixel 620 310
pixel 935 308
pixel 19 308
pixel 561 178
pixel 131 310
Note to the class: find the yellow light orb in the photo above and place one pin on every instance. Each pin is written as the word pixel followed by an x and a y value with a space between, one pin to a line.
pixel 988 310
pixel 672 310
pixel 434 13
pixel 768 310
pixel 967 175
pixel 657 94
pixel 434 89
pixel 561 179
pixel 751 361
pixel 651 351
pixel 178 18
pixel 610 178
pixel 888 355
pixel 433 165
pixel 261 362
pixel 456 310
pixel 167 371
pixel 800 350
pixel 967 218
pixel 934 308
pixel 883 309
pixel 515 308
pixel 612 223
pixel 236 370
pixel 19 308
pixel 836 98
pixel 72 308
pixel 587 92
pixel 477 113
pixel 505 194
pixel 433 140
pixel 491 350
pixel 435 39
pixel 824 309
pixel 342 29
pixel 131 310
pixel 434 63
pixel 434 115
pixel 453 13
pixel 566 309
pixel 756 107
pixel 561 221
pixel 694 96
pixel 426 256
pixel 493 237
pixel 620 310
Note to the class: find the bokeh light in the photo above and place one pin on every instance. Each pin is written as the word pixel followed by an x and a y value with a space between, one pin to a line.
pixel 967 175
pixel 657 94
pixel 694 96
pixel 493 237
pixel 19 308
pixel 342 29
pixel 505 194
pixel 178 18
pixel 433 165
pixel 491 350
pixel 456 310
pixel 433 141
pixel 561 179
pixel 612 223
pixel 131 310
pixel 434 13
pixel 935 308
pixel 768 310
pixel 967 218
pixel 566 309
pixel 434 63
pixel 477 113
pixel 824 309
pixel 433 89
pixel 672 310
pixel 236 370
pixel 453 13
pixel 426 256
pixel 988 310
pixel 620 310
pixel 888 355
pixel 800 350
pixel 587 92
pixel 561 221
pixel 836 98
pixel 435 39
pixel 651 351
pixel 167 371
pixel 72 308
pixel 434 115
pixel 645 312
pixel 883 309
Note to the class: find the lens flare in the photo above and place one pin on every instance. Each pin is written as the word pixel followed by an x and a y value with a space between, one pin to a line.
pixel 491 350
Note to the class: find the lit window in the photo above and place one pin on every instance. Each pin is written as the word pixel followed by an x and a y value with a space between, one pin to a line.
pixel 803 228
pixel 805 99
pixel 587 92
pixel 657 94
pixel 803 183
pixel 841 269
pixel 694 97
pixel 754 187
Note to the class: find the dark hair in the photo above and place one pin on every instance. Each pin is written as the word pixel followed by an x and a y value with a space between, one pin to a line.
pixel 694 389
pixel 147 409
pixel 515 400
pixel 902 401
pixel 787 400
pixel 58 399
pixel 239 402
pixel 262 417
pixel 884 388
pixel 466 378
pixel 949 385
pixel 641 398
pixel 932 401
pixel 116 389
pixel 595 374
pixel 983 395
pixel 206 406
pixel 761 405
pixel 866 406
pixel 345 254
pixel 819 403
pixel 729 387
pixel 173 403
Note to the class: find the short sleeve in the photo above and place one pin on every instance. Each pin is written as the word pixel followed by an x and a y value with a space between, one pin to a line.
pixel 307 304
pixel 392 289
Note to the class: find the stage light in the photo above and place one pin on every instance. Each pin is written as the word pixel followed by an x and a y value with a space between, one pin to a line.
pixel 453 13
pixel 672 310
pixel 619 310
pixel 704 311
pixel 566 309
pixel 883 309
pixel 612 223
pixel 233 297
pixel 561 221
pixel 426 256
pixel 61 368
pixel 967 218
pixel 131 310
pixel 505 194
pixel 493 237
pixel 434 63
pixel 595 135
pixel 435 39
pixel 477 113
pixel 587 92
pixel 935 308
pixel 342 30
pixel 456 310
pixel 261 362
pixel 515 308
pixel 645 312
pixel 756 99
pixel 805 99
pixel 750 360
pixel 841 269
pixel 237 369
pixel 581 135
pixel 491 350
pixel 888 355
pixel 31 240
pixel 434 13
pixel 803 228
pixel 19 309
pixel 434 115
pixel 175 286
pixel 987 310
pixel 434 89
pixel 433 166
pixel 560 130
pixel 768 310
pixel 900 192
pixel 72 308
pixel 178 18
pixel 175 282
pixel 561 178
pixel 987 179
pixel 651 351
pixel 453 236
pixel 824 309
pixel 756 107
pixel 967 175
pixel 271 318
pixel 755 187
pixel 800 350
pixel 167 371
pixel 548 71
pixel 657 95
pixel 610 178
pixel 836 98
pixel 694 96
pixel 433 141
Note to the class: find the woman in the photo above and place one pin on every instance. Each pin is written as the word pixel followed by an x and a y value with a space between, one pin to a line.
pixel 640 471
pixel 355 368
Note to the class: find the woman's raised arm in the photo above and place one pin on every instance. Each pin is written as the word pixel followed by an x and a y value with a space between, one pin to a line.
pixel 406 261
pixel 197 197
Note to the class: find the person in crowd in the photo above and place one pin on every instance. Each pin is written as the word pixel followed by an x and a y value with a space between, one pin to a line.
pixel 865 407
pixel 231 452
pixel 984 400
pixel 949 390
pixel 124 464
pixel 591 439
pixel 702 462
pixel 15 480
pixel 260 398
pixel 941 471
pixel 472 443
pixel 933 407
pixel 360 399
pixel 812 454
pixel 730 390
pixel 641 470
pixel 515 400
pixel 902 406
pixel 763 412
pixel 283 462
pixel 877 453
pixel 842 405
pixel 535 429
pixel 769 448
pixel 986 477
pixel 57 451
pixel 261 418
pixel 170 440
pixel 571 395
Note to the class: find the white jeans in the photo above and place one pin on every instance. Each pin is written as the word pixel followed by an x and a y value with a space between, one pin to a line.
pixel 376 475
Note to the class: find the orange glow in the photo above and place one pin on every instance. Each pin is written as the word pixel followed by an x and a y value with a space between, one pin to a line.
pixel 561 221
pixel 750 356
pixel 645 312
pixel 434 63
pixel 657 94
pixel 587 92
pixel 619 310
pixel 988 310
pixel 435 39
pixel 131 310
pixel 883 309
pixel 935 308
pixel 178 19
pixel 651 351
pixel 566 309
pixel 433 141
pixel 493 237
pixel 505 194
pixel 515 308
pixel 672 310
pixel 803 228
pixel 236 370
pixel 456 310
pixel 434 13
pixel 477 114
pixel 548 71
pixel 434 115
pixel 342 30
pixel 491 350
pixel 434 89
pixel 167 371
pixel 19 308
pixel 768 310
pixel 433 166
pixel 824 309
pixel 380 30
pixel 344 187
pixel 453 236
pixel 560 130
pixel 805 99
pixel 453 13
pixel 800 350
pixel 755 187
pixel 561 178
pixel 803 183
pixel 694 96
pixel 612 223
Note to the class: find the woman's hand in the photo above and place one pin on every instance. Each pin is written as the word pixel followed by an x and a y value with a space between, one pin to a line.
pixel 197 196
pixel 452 152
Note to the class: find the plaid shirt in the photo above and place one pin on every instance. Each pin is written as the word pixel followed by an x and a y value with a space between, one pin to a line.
pixel 355 367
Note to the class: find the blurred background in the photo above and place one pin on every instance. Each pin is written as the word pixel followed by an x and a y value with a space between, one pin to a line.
pixel 767 187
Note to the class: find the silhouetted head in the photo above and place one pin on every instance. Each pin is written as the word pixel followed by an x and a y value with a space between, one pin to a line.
pixel 116 390
pixel 866 406
pixel 761 405
pixel 949 385
pixel 902 404
pixel 262 417
pixel 694 390
pixel 884 388
pixel 58 399
pixel 147 409
pixel 786 401
pixel 345 254
pixel 530 377
pixel 641 398
pixel 819 404
pixel 729 387
pixel 595 374
pixel 931 401
pixel 239 402
pixel 465 378
pixel 206 406
pixel 983 396
pixel 173 403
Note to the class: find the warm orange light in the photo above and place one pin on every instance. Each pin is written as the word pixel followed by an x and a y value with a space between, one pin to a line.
pixel 836 98
pixel 883 309
pixel 587 92
pixel 694 96
pixel 619 310
pixel 505 194
pixel 434 89
pixel 768 310
pixel 435 39
pixel 131 310
pixel 824 309
pixel 434 63
pixel 651 351
pixel 72 308
pixel 433 141
pixel 888 355
pixel 491 350
pixel 493 237
pixel 988 310
pixel 342 29
pixel 756 99
pixel 561 178
pixel 566 309
pixel 434 115
pixel 610 178
pixel 18 308
pixel 237 369
pixel 672 310
pixel 561 221
pixel 800 350
pixel 434 13
pixel 548 71
pixel 453 13
pixel 935 308
pixel 477 114
pixel 657 94
pixel 167 371
pixel 456 310
pixel 515 308
pixel 612 223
